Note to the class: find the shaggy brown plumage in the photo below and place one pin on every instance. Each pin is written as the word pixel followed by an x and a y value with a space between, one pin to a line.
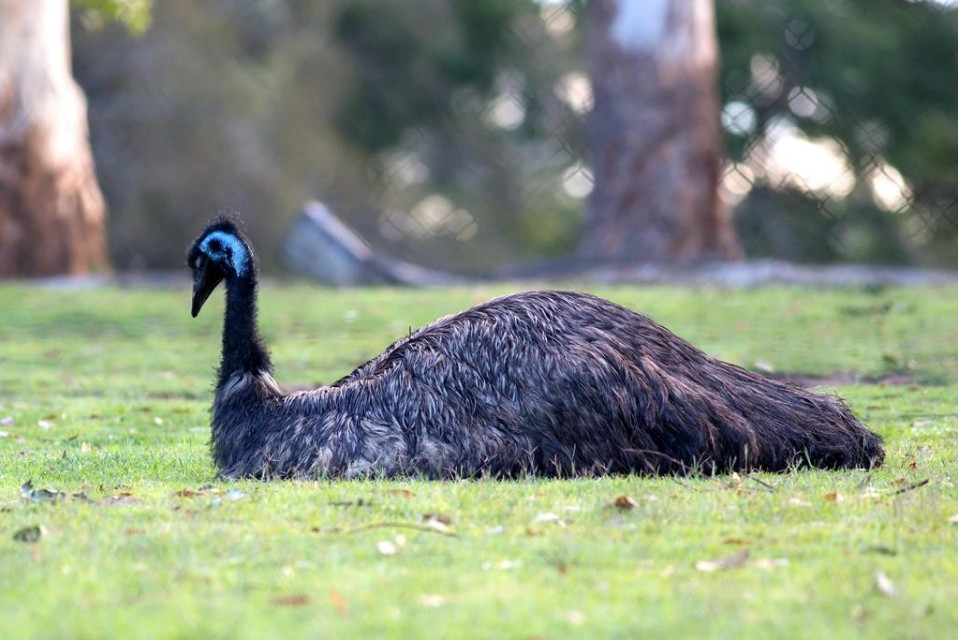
pixel 545 383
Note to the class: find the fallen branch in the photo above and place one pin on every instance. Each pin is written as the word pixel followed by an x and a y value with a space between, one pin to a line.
pixel 770 487
pixel 911 487
pixel 401 525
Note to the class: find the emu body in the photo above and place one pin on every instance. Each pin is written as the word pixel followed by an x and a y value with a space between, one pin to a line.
pixel 544 383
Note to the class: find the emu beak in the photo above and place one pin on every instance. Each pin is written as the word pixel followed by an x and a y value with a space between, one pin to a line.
pixel 205 280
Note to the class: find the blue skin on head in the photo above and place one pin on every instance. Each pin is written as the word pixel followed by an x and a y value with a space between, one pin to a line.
pixel 237 256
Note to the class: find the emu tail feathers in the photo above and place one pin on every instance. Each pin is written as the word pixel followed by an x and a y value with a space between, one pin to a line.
pixel 794 427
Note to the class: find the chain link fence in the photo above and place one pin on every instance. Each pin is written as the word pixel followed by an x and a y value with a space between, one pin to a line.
pixel 821 167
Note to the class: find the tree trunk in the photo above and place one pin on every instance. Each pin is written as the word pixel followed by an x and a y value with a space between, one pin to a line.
pixel 52 215
pixel 654 133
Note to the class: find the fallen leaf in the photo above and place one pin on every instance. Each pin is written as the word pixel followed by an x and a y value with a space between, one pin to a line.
pixel 185 493
pixel 338 602
pixel 359 502
pixel 123 499
pixel 913 465
pixel 402 493
pixel 737 541
pixel 432 600
pixel 624 502
pixel 885 586
pixel 551 517
pixel 387 548
pixel 771 563
pixel 437 522
pixel 134 532
pixel 97 416
pixel 30 534
pixel 728 562
pixel 834 496
pixel 438 517
pixel 39 495
pixel 292 600
pixel 880 549
pixel 575 618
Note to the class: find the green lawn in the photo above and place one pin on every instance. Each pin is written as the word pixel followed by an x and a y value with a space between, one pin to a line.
pixel 105 393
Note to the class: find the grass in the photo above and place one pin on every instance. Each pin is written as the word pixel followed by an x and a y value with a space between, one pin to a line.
pixel 105 393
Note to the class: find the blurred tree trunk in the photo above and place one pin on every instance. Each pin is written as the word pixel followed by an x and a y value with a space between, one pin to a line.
pixel 654 133
pixel 52 214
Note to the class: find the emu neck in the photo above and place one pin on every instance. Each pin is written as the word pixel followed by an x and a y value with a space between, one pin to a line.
pixel 243 348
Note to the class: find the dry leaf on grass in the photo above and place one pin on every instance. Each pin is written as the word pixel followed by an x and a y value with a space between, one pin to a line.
pixel 387 548
pixel 624 502
pixel 728 562
pixel 432 600
pixel 292 600
pixel 771 563
pixel 39 495
pixel 551 517
pixel 834 496
pixel 122 499
pixel 30 534
pixel 885 586
pixel 437 521
pixel 339 602
pixel 502 565
pixel 575 618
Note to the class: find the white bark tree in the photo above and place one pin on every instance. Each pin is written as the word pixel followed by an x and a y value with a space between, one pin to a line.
pixel 52 214
pixel 654 133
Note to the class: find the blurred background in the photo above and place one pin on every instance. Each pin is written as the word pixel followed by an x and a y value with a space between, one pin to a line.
pixel 468 134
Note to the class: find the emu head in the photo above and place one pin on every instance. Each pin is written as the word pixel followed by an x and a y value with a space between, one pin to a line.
pixel 221 252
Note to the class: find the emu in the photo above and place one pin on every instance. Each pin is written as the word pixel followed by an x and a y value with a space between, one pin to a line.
pixel 542 383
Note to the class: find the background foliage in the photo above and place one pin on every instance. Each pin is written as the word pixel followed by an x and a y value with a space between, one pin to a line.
pixel 450 131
